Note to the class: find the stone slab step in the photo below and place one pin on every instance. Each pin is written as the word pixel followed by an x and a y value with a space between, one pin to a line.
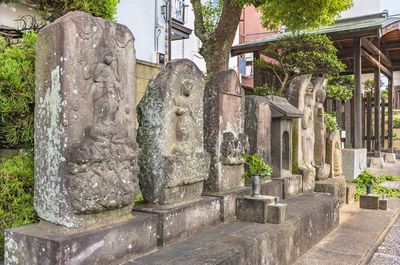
pixel 310 217
pixel 354 240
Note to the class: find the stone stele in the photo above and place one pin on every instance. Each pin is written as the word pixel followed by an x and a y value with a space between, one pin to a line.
pixel 258 127
pixel 173 164
pixel 334 154
pixel 85 148
pixel 225 139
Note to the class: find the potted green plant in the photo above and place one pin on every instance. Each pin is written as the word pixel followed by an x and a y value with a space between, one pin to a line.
pixel 367 179
pixel 257 169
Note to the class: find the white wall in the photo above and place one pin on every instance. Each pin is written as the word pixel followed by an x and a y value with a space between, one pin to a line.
pixel 363 7
pixel 10 12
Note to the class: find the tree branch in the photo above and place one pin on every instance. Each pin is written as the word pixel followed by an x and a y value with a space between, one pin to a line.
pixel 199 29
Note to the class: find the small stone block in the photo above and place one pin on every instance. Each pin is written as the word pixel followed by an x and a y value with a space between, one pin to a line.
pixel 390 158
pixel 377 162
pixel 369 201
pixel 350 191
pixel 253 209
pixel 383 204
pixel 276 213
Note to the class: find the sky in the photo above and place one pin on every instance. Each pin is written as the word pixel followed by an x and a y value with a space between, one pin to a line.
pixel 392 5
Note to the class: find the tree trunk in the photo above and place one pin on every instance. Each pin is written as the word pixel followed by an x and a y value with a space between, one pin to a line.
pixel 216 45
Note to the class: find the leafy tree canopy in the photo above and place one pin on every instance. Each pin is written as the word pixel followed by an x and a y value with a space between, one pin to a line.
pixel 301 54
pixel 340 87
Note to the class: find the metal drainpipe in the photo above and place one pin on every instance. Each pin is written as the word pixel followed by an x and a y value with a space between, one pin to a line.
pixel 169 29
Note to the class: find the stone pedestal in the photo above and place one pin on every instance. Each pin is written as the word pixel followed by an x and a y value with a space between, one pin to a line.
pixel 333 186
pixel 354 161
pixel 173 163
pixel 276 213
pixel 369 201
pixel 390 158
pixel 308 175
pixel 376 162
pixel 48 244
pixel 253 209
pixel 350 192
pixel 182 220
pixel 322 172
pixel 224 135
pixel 273 187
pixel 292 185
pixel 383 204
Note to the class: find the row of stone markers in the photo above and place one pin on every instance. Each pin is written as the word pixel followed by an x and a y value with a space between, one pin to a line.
pixel 188 163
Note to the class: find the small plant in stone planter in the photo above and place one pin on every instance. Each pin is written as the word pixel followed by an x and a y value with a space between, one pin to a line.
pixel 368 179
pixel 257 169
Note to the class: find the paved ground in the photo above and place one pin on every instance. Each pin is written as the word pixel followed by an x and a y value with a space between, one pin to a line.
pixel 355 240
pixel 363 236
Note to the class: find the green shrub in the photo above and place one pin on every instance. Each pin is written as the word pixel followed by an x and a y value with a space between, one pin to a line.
pixel 340 87
pixel 16 193
pixel 331 123
pixel 51 10
pixel 396 123
pixel 366 178
pixel 17 90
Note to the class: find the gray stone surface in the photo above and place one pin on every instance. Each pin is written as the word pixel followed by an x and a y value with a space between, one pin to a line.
pixel 391 184
pixel 322 171
pixel 179 221
pixel 292 185
pixel 319 128
pixel 333 186
pixel 354 161
pixel 258 127
pixel 350 192
pixel 273 187
pixel 334 154
pixel 383 204
pixel 48 244
pixel 377 162
pixel 173 163
pixel 276 213
pixel 224 135
pixel 308 180
pixel 253 209
pixel 390 158
pixel 85 148
pixel 369 201
pixel 228 201
pixel 255 243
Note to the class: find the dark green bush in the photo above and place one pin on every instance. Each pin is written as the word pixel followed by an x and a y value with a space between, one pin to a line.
pixel 331 123
pixel 16 193
pixel 396 123
pixel 17 91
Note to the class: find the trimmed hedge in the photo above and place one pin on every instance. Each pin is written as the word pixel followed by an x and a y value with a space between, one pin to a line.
pixel 16 193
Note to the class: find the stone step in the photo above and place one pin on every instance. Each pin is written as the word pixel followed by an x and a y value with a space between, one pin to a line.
pixel 310 217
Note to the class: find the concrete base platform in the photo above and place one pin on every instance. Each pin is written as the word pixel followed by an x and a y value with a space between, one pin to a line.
pixel 39 244
pixel 179 221
pixel 376 162
pixel 309 218
pixel 333 186
pixel 354 161
pixel 390 158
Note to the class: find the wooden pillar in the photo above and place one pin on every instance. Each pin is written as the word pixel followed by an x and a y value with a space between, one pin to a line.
pixel 357 93
pixel 369 120
pixel 390 114
pixel 364 103
pixel 383 107
pixel 338 104
pixel 329 106
pixel 377 96
pixel 347 123
pixel 257 78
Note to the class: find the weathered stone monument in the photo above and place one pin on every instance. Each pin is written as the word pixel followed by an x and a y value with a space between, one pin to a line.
pixel 334 154
pixel 323 169
pixel 85 148
pixel 173 163
pixel 225 139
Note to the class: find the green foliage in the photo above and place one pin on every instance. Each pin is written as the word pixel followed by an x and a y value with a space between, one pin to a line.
pixel 396 123
pixel 265 90
pixel 211 14
pixel 297 15
pixel 340 87
pixel 17 90
pixel 331 124
pixel 366 178
pixel 302 54
pixel 369 86
pixel 16 193
pixel 256 166
pixel 53 9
